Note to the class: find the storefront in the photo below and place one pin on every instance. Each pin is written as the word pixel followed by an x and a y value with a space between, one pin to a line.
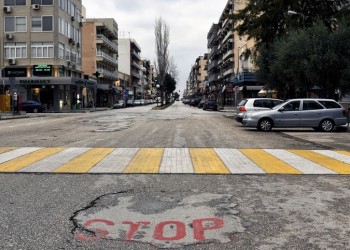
pixel 56 93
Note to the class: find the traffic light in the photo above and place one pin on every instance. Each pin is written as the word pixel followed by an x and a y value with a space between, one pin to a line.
pixel 97 74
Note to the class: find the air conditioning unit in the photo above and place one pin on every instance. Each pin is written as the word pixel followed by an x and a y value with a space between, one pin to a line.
pixel 74 66
pixel 7 9
pixel 36 6
pixel 78 45
pixel 12 61
pixel 9 36
pixel 70 40
pixel 72 18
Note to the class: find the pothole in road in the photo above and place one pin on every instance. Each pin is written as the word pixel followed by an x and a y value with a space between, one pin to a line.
pixel 159 219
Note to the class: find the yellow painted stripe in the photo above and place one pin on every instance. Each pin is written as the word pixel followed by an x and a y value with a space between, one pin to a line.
pixel 206 161
pixel 147 160
pixel 4 150
pixel 269 163
pixel 25 160
pixel 343 152
pixel 84 162
pixel 335 165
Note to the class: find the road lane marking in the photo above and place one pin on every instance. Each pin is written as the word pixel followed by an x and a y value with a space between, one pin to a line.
pixel 116 161
pixel 269 163
pixel 4 157
pixel 176 161
pixel 335 165
pixel 299 163
pixel 55 161
pixel 25 160
pixel 4 150
pixel 146 161
pixel 237 162
pixel 206 161
pixel 85 161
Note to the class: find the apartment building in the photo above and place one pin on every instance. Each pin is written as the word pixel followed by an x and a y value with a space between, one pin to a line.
pixel 129 64
pixel 100 61
pixel 197 79
pixel 41 57
pixel 229 71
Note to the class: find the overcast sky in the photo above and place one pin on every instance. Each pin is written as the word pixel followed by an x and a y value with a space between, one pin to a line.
pixel 189 22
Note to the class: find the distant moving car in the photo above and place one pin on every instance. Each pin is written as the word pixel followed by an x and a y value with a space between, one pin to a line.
pixel 32 107
pixel 253 104
pixel 319 114
pixel 119 104
pixel 210 104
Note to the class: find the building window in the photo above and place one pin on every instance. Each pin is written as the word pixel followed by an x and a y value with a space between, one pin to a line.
pixel 61 51
pixel 15 50
pixel 15 24
pixel 14 2
pixel 43 2
pixel 42 23
pixel 42 50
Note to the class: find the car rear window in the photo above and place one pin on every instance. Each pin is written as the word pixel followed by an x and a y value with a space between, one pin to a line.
pixel 330 104
pixel 262 103
pixel 243 102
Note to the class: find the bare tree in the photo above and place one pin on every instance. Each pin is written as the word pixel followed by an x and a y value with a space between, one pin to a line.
pixel 162 61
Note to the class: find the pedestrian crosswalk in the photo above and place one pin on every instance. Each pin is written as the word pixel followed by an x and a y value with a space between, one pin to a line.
pixel 172 161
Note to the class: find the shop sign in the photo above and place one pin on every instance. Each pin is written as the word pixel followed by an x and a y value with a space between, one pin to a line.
pixel 15 72
pixel 35 81
pixel 42 70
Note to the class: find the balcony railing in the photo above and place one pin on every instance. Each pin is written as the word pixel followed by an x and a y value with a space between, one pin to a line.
pixel 108 42
pixel 133 52
pixel 107 74
pixel 107 58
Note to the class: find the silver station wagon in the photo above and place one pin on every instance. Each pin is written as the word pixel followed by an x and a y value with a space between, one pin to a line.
pixel 319 114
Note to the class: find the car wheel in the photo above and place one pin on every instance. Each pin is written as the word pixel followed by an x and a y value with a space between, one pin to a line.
pixel 35 110
pixel 327 125
pixel 265 125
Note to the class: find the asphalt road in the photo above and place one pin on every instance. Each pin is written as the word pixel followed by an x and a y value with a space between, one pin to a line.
pixel 189 211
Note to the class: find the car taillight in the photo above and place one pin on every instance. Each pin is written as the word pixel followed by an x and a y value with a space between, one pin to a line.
pixel 242 109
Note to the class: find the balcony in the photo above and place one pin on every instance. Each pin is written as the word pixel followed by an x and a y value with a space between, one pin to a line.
pixel 134 53
pixel 213 78
pixel 111 45
pixel 228 72
pixel 227 55
pixel 107 58
pixel 107 74
pixel 228 35
pixel 135 74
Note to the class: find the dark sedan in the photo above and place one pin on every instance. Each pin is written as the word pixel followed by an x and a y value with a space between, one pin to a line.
pixel 32 107
pixel 210 104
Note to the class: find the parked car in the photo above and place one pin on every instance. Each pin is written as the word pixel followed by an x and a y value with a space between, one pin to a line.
pixel 130 103
pixel 210 104
pixel 319 114
pixel 119 104
pixel 200 104
pixel 138 102
pixel 254 104
pixel 32 107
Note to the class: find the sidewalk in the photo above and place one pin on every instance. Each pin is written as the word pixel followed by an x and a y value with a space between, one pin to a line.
pixel 10 115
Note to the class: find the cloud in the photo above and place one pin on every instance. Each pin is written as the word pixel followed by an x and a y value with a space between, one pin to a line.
pixel 189 22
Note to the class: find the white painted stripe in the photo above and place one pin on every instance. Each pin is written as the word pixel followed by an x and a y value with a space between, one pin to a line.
pixel 50 163
pixel 7 156
pixel 303 165
pixel 237 162
pixel 334 155
pixel 176 161
pixel 116 161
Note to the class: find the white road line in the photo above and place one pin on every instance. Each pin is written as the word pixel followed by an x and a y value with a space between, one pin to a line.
pixel 176 161
pixel 50 163
pixel 7 156
pixel 116 161
pixel 298 162
pixel 334 155
pixel 237 162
